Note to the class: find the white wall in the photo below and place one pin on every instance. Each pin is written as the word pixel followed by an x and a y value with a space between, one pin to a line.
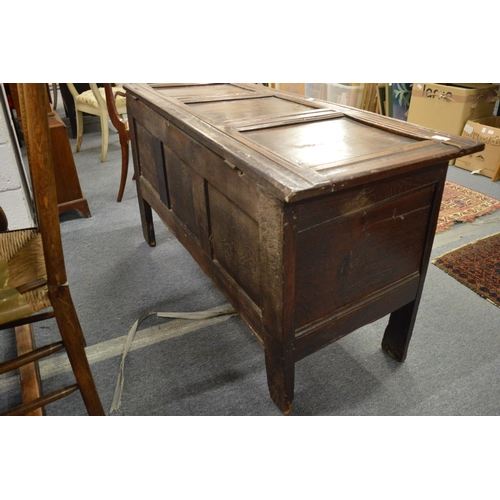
pixel 14 199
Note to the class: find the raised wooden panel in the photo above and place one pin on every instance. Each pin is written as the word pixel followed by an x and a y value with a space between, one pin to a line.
pixel 235 239
pixel 186 91
pixel 321 143
pixel 220 111
pixel 180 179
pixel 353 256
pixel 146 152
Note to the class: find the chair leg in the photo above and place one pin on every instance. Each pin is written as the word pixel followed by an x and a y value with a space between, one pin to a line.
pixel 79 130
pixel 31 385
pixel 123 180
pixel 104 135
pixel 74 342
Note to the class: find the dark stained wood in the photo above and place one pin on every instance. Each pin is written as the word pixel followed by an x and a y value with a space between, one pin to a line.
pixel 69 191
pixel 313 219
pixel 29 407
pixel 30 356
pixel 121 125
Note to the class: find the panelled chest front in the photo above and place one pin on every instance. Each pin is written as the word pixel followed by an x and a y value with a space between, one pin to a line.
pixel 313 219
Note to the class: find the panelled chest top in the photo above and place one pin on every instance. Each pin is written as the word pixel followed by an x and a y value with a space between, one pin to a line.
pixel 296 146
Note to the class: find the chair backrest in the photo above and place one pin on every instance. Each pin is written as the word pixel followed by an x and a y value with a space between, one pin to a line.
pixel 118 122
pixel 73 90
pixel 34 111
pixel 95 92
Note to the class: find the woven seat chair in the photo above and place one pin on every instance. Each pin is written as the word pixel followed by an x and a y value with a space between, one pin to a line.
pixel 93 102
pixel 33 283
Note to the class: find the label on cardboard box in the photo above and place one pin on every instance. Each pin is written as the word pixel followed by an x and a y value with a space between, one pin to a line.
pixel 460 94
pixel 486 162
pixel 468 129
pixel 483 134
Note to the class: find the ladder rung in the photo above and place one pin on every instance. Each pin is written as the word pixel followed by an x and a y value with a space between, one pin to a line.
pixel 30 357
pixel 42 401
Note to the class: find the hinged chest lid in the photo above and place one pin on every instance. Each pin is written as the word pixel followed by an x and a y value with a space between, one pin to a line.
pixel 296 146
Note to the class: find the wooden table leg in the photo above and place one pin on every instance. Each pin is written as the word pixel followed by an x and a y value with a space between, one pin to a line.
pixel 399 330
pixel 148 229
pixel 280 368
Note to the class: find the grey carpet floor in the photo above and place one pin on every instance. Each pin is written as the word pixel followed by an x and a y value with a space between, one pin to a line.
pixel 216 367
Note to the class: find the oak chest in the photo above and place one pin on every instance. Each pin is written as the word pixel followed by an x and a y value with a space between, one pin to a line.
pixel 313 219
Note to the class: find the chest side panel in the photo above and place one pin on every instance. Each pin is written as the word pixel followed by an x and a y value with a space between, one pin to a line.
pixel 211 207
pixel 356 244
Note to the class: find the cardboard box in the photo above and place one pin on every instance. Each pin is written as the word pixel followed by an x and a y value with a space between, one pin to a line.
pixel 447 107
pixel 486 162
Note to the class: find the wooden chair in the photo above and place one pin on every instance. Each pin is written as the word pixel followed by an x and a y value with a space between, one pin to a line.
pixel 93 102
pixel 122 127
pixel 69 103
pixel 33 277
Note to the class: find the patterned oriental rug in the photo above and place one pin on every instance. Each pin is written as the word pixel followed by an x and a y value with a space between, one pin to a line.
pixel 477 266
pixel 461 204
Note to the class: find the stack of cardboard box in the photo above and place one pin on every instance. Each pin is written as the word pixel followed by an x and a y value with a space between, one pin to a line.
pixel 486 162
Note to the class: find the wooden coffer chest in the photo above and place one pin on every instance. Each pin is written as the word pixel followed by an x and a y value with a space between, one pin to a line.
pixel 312 218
